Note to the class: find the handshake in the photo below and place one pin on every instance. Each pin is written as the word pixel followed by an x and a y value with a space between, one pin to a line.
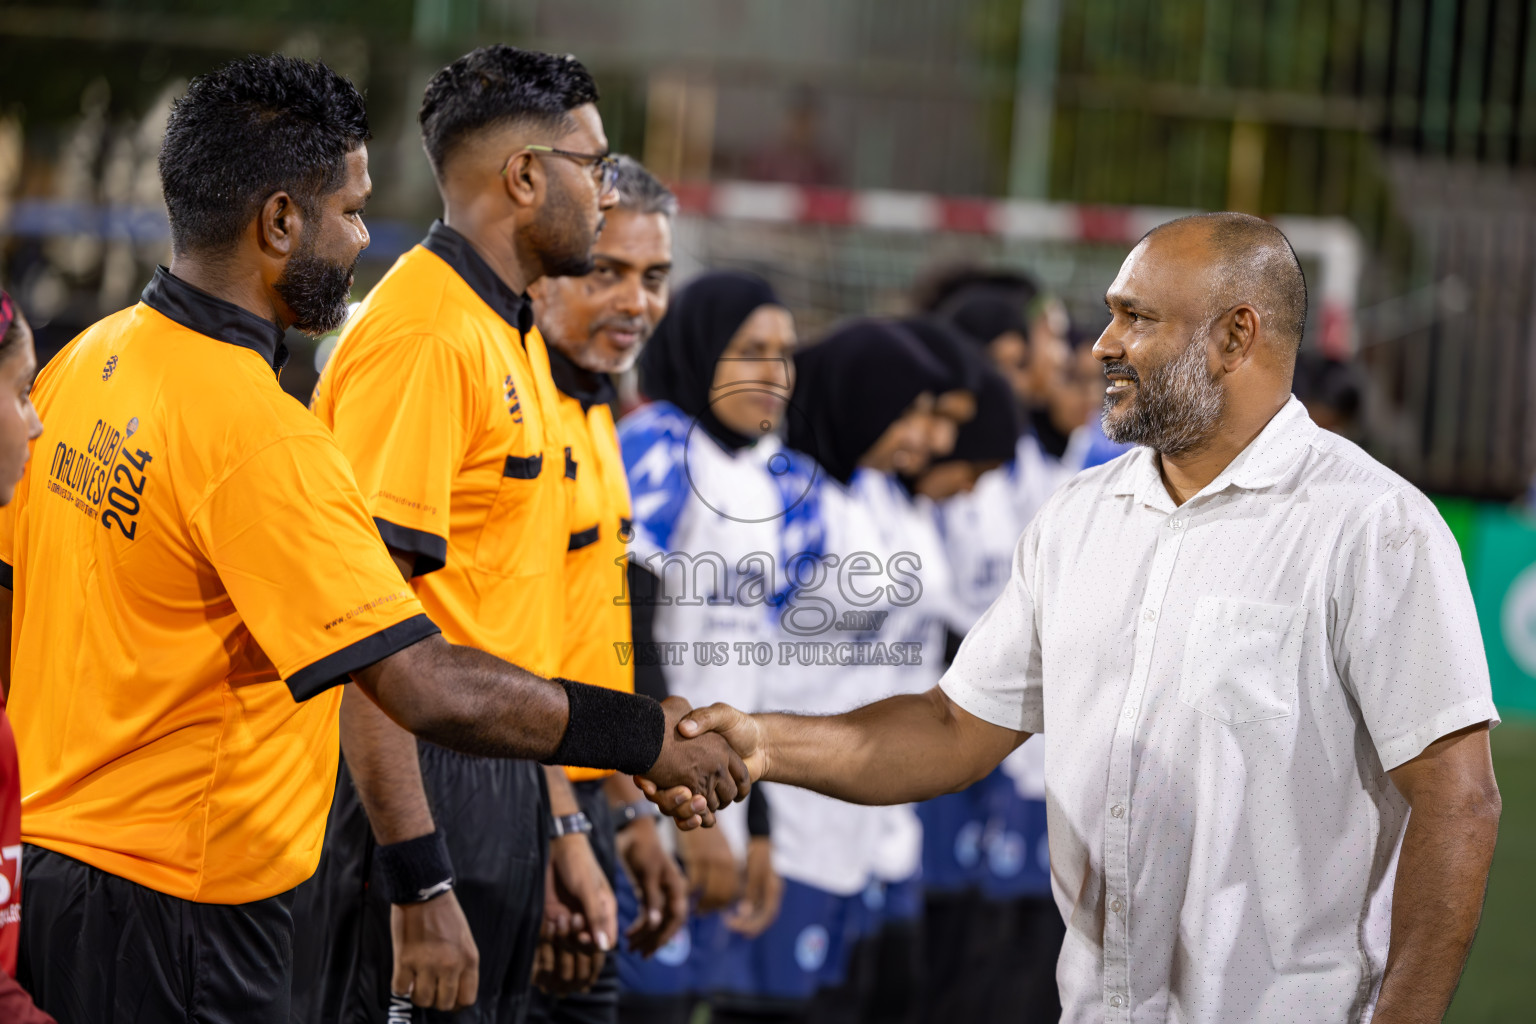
pixel 709 758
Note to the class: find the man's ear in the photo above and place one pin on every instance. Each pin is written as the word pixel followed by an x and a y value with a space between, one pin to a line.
pixel 524 179
pixel 1238 330
pixel 279 225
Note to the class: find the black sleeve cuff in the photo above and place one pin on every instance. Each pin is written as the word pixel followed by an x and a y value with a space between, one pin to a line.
pixel 7 577
pixel 431 551
pixel 759 823
pixel 333 669
pixel 952 642
pixel 650 680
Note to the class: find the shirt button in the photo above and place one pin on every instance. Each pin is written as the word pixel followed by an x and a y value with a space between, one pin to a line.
pixel 1177 524
pixel 1150 614
pixel 1115 905
pixel 1117 811
pixel 1116 1002
pixel 1130 712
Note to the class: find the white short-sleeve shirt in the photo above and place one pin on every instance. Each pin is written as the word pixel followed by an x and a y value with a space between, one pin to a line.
pixel 1223 686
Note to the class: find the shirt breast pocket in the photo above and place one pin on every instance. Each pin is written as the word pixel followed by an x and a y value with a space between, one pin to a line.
pixel 524 531
pixel 1241 660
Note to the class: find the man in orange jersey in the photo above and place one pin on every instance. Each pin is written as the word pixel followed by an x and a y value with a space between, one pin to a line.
pixel 190 573
pixel 440 395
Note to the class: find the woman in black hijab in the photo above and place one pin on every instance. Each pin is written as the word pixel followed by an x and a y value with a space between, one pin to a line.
pixel 721 355
pixel 865 396
pixel 964 360
pixel 869 396
pixel 987 441
pixel 718 370
pixel 956 405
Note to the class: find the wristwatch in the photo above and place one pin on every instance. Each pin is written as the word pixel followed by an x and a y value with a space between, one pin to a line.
pixel 569 825
pixel 628 814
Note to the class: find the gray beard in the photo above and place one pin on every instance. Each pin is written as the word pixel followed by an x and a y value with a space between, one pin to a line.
pixel 1174 409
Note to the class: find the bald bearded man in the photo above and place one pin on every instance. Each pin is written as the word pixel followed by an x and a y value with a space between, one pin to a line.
pixel 1251 649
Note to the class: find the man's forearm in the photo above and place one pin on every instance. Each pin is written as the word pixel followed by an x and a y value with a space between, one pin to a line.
pixel 1442 874
pixel 898 750
pixel 562 795
pixel 621 789
pixel 381 758
pixel 469 701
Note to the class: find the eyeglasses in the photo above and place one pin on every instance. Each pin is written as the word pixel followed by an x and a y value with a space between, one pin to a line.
pixel 605 166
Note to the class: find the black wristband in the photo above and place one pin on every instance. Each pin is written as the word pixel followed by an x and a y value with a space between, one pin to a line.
pixel 610 729
pixel 759 824
pixel 416 870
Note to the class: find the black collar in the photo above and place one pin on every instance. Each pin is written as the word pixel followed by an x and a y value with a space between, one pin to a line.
pixel 455 250
pixel 581 384
pixel 211 316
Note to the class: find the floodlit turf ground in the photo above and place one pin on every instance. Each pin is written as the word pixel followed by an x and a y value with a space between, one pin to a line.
pixel 1501 975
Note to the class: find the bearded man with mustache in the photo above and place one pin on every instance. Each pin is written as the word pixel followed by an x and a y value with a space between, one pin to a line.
pixel 1252 650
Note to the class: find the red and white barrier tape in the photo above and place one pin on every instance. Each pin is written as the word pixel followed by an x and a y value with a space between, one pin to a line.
pixel 1332 241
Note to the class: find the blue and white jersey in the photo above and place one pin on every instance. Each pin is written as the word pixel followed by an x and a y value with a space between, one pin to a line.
pixel 709 523
pixel 981 529
pixel 1088 447
pixel 859 629
pixel 761 499
pixel 835 649
pixel 906 528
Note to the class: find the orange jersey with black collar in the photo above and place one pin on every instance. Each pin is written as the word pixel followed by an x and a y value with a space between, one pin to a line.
pixel 186 540
pixel 440 395
pixel 597 629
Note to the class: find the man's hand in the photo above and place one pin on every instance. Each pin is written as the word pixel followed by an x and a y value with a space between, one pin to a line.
pixel 436 961
pixel 580 918
pixel 744 735
pixel 762 893
pixel 738 728
pixel 711 869
pixel 660 888
pixel 705 765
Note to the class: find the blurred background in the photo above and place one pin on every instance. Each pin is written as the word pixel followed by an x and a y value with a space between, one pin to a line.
pixel 850 149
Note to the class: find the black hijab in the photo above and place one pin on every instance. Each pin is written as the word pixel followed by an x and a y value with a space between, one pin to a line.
pixel 963 359
pixel 993 434
pixel 678 363
pixel 854 384
pixel 984 314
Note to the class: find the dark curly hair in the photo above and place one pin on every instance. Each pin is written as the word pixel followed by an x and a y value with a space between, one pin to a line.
pixel 255 126
pixel 497 85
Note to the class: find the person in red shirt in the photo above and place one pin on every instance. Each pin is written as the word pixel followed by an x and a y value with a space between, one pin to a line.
pixel 19 426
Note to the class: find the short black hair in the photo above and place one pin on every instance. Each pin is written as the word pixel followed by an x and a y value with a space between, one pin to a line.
pixel 640 191
pixel 1257 266
pixel 255 126
pixel 498 85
